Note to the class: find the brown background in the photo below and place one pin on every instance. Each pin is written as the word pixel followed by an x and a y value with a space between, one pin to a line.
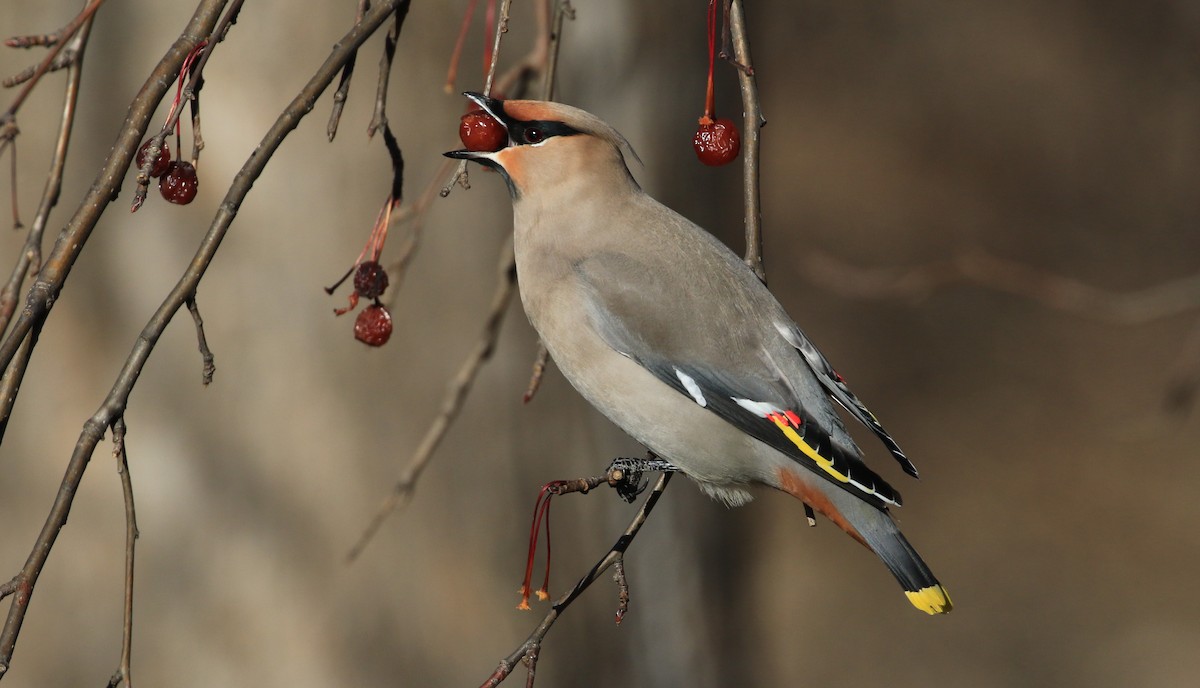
pixel 1059 499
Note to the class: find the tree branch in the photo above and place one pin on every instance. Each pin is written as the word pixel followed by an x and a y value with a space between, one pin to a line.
pixel 65 252
pixel 30 256
pixel 527 652
pixel 123 673
pixel 752 122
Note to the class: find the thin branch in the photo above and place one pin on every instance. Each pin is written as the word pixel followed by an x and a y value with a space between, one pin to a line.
pixel 123 673
pixel 44 66
pixel 30 256
pixel 974 266
pixel 206 356
pixel 527 652
pixel 32 251
pixel 379 117
pixel 456 394
pixel 44 40
pixel 343 89
pixel 539 369
pixel 752 122
pixel 562 11
pixel 115 403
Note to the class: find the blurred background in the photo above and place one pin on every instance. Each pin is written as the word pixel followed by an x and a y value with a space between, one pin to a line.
pixel 1057 500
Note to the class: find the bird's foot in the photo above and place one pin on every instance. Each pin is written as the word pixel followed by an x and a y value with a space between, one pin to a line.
pixel 625 474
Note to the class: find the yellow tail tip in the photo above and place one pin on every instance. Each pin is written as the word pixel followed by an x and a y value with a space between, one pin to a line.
pixel 931 600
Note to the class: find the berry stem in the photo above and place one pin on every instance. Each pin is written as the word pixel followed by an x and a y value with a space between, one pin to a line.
pixel 710 95
pixel 452 73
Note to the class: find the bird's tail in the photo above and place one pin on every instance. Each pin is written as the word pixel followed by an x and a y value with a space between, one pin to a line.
pixel 873 527
pixel 920 586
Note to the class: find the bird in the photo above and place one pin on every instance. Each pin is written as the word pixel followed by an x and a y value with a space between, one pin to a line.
pixel 668 333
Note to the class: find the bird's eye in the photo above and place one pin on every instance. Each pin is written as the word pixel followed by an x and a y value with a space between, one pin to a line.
pixel 534 135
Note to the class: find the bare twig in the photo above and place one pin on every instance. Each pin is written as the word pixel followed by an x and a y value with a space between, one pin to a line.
pixel 562 10
pixel 1050 290
pixel 343 89
pixel 64 33
pixel 379 119
pixel 536 61
pixel 30 256
pixel 456 394
pixel 974 266
pixel 539 369
pixel 752 122
pixel 123 673
pixel 59 263
pixel 527 652
pixel 31 252
pixel 44 40
pixel 206 356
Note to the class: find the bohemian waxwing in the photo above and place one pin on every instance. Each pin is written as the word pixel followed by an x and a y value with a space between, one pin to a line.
pixel 668 333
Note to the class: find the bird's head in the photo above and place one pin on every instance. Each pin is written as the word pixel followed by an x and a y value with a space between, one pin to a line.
pixel 550 144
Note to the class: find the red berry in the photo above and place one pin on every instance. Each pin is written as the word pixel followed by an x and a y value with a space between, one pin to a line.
pixel 370 279
pixel 480 131
pixel 179 184
pixel 161 164
pixel 716 142
pixel 373 326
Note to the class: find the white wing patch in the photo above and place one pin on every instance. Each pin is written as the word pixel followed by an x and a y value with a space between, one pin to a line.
pixel 758 408
pixel 689 383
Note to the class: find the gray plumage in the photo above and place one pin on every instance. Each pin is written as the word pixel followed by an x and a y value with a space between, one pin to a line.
pixel 668 333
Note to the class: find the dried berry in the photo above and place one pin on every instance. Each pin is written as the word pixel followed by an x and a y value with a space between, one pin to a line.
pixel 716 142
pixel 160 164
pixel 370 279
pixel 480 131
pixel 179 184
pixel 373 326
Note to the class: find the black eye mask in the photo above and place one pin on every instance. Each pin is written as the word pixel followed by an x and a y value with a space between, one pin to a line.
pixel 522 133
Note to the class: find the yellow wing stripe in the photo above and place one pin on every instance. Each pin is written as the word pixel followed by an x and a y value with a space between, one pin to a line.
pixel 931 600
pixel 806 448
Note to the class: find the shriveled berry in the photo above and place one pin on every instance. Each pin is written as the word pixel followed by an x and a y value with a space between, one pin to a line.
pixel 160 164
pixel 717 142
pixel 373 326
pixel 179 184
pixel 480 131
pixel 370 279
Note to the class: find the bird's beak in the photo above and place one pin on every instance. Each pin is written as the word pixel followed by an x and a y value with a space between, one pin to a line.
pixel 493 107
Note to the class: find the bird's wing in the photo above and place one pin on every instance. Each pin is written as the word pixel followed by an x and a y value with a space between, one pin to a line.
pixel 840 391
pixel 728 369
